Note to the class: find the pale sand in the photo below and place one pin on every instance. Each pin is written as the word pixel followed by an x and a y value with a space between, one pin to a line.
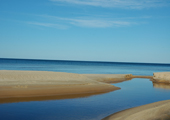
pixel 162 77
pixel 154 111
pixel 42 83
pixel 109 78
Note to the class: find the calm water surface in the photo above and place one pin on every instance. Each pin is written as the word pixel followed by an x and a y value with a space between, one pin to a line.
pixel 133 93
pixel 83 66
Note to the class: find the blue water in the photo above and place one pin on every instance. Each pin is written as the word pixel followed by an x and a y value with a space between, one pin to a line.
pixel 133 93
pixel 83 66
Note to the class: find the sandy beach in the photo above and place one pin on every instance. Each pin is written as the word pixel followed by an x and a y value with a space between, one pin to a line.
pixel 36 84
pixel 161 77
pixel 109 78
pixel 154 111
pixel 43 83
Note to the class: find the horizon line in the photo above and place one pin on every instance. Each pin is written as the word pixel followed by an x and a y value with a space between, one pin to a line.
pixel 92 61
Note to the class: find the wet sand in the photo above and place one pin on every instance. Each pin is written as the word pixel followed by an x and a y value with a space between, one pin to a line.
pixel 154 111
pixel 46 98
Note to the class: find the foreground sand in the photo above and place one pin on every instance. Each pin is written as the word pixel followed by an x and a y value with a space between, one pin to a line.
pixel 154 111
pixel 41 83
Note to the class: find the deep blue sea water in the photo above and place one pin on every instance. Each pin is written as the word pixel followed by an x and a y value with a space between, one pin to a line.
pixel 133 93
pixel 83 66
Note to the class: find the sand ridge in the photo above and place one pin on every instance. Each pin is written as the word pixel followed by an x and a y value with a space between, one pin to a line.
pixel 154 111
pixel 109 78
pixel 39 77
pixel 15 83
pixel 44 83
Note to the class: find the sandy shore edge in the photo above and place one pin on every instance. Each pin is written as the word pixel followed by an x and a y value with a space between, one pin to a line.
pixel 154 111
pixel 44 83
pixel 19 84
pixel 161 77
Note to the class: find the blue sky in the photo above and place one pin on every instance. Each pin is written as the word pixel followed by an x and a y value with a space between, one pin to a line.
pixel 89 30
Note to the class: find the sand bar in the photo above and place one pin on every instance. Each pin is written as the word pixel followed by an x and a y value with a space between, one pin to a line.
pixel 161 77
pixel 154 111
pixel 20 86
pixel 114 78
pixel 109 78
pixel 43 83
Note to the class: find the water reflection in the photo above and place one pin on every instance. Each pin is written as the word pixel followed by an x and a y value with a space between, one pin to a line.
pixel 46 98
pixel 161 85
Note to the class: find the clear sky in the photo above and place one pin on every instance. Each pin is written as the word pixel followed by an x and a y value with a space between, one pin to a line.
pixel 89 30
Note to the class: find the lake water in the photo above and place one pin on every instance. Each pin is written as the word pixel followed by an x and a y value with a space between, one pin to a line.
pixel 133 93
